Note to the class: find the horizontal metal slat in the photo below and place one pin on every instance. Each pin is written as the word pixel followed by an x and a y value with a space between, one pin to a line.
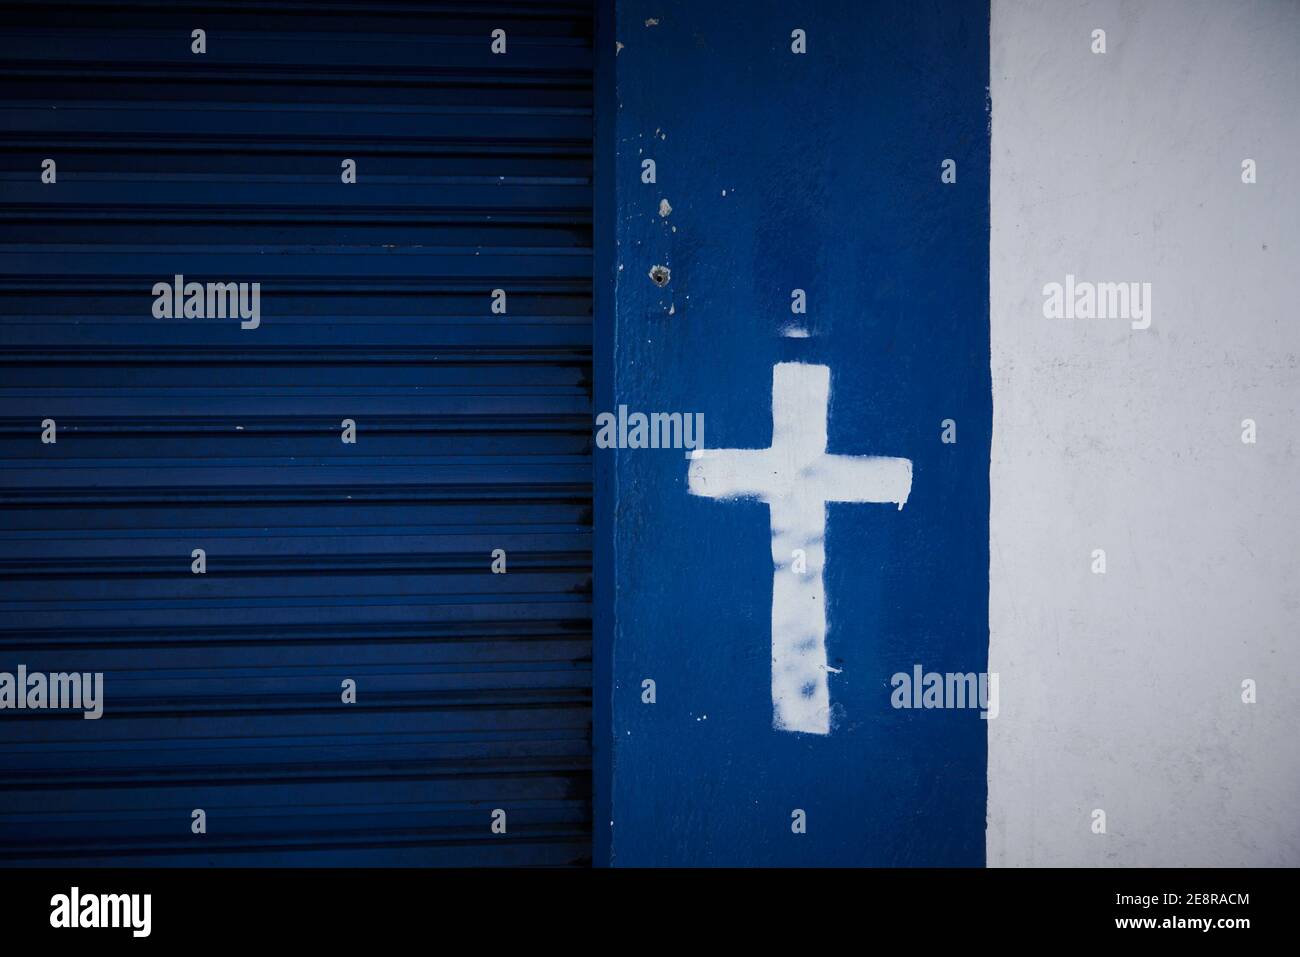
pixel 326 560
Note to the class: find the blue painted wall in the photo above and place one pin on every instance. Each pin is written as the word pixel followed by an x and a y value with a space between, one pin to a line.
pixel 822 172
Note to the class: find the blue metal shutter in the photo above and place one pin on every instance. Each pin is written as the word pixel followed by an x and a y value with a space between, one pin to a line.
pixel 325 561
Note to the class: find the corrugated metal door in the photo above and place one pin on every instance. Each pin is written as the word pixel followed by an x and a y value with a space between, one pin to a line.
pixel 325 561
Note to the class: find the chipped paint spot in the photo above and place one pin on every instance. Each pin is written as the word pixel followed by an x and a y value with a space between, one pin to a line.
pixel 664 207
pixel 794 332
pixel 618 48
pixel 660 275
pixel 652 22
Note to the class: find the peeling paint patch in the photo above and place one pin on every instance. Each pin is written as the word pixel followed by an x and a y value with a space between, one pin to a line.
pixel 664 208
pixel 795 332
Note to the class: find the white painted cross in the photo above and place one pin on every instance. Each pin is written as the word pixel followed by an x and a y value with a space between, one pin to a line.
pixel 796 477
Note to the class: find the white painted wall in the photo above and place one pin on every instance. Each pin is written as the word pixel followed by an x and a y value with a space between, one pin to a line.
pixel 1122 691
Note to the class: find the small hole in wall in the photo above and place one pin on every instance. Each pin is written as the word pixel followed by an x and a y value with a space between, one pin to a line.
pixel 660 275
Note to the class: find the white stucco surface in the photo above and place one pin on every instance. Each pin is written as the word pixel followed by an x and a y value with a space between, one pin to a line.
pixel 1122 691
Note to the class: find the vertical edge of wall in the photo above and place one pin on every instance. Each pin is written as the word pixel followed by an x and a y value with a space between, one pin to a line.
pixel 992 425
pixel 604 273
